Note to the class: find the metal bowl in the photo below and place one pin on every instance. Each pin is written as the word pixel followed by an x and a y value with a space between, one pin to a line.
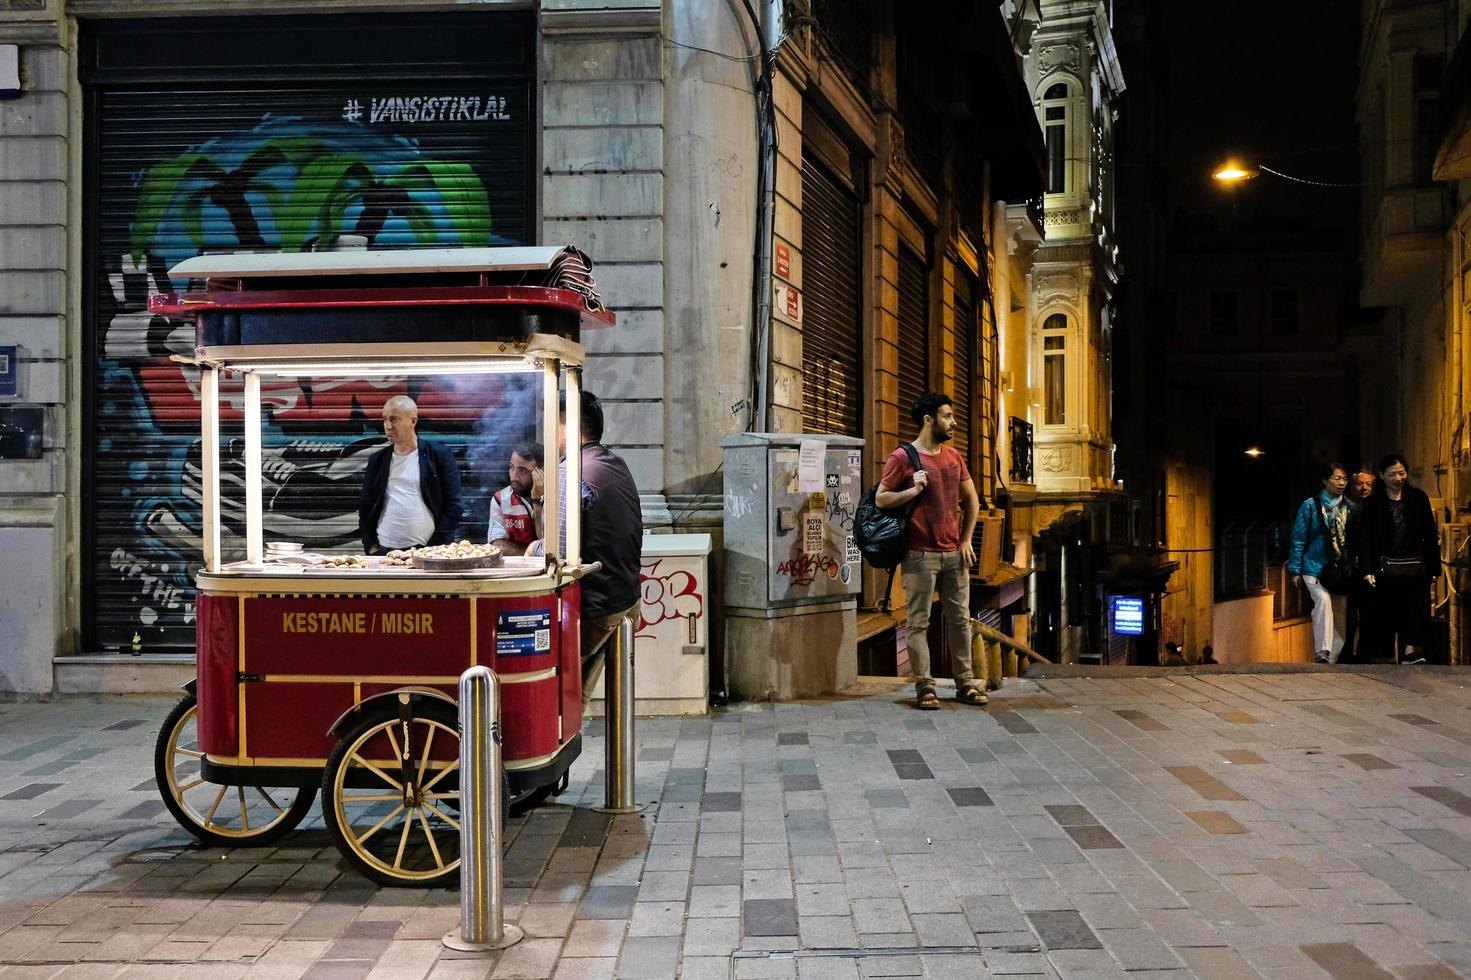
pixel 455 564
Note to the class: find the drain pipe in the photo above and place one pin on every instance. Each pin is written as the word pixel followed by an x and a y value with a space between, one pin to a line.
pixel 768 30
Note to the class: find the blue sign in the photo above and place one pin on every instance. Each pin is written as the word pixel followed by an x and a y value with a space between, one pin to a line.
pixel 523 632
pixel 1128 615
pixel 9 372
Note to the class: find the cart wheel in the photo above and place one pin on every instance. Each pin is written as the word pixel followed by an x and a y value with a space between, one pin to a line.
pixel 391 795
pixel 224 816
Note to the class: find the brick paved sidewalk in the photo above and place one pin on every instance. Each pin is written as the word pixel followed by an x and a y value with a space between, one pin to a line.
pixel 1228 825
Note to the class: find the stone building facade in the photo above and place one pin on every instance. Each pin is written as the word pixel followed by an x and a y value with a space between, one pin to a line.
pixel 1057 361
pixel 1414 110
pixel 632 129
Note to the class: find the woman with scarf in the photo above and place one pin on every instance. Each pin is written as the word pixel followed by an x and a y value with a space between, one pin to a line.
pixel 1399 551
pixel 1319 548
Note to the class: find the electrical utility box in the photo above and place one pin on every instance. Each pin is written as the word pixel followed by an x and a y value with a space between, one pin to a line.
pixel 792 568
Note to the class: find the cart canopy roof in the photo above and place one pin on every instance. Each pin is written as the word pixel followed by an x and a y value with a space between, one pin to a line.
pixel 367 262
pixel 368 296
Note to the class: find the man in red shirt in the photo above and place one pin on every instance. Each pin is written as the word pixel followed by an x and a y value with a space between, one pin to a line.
pixel 938 556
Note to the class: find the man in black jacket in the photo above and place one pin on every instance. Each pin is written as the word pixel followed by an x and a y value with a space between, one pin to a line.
pixel 612 534
pixel 411 488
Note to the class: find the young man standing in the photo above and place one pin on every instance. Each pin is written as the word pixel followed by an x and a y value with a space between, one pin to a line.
pixel 938 555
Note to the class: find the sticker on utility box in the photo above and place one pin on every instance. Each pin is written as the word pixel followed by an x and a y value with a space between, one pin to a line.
pixel 853 554
pixel 812 534
pixel 523 632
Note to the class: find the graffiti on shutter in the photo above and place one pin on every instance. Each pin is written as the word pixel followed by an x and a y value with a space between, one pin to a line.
pixel 187 168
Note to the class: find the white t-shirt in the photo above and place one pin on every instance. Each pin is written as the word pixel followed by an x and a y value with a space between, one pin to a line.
pixel 406 521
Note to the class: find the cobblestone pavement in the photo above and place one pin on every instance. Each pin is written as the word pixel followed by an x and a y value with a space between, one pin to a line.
pixel 1220 825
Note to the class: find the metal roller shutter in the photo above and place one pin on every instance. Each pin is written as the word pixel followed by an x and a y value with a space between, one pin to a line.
pixel 914 331
pixel 987 412
pixel 962 334
pixel 832 353
pixel 274 150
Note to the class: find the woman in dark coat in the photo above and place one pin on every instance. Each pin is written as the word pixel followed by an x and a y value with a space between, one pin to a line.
pixel 1399 552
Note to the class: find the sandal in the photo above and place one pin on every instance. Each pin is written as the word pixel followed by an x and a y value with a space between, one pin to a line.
pixel 926 701
pixel 971 695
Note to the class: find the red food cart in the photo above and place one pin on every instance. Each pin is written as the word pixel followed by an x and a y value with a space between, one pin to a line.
pixel 343 677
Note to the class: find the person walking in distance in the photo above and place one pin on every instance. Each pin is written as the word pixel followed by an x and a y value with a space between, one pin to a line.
pixel 938 553
pixel 1399 558
pixel 1360 487
pixel 1319 538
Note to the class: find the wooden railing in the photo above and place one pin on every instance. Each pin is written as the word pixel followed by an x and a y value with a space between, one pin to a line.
pixel 995 656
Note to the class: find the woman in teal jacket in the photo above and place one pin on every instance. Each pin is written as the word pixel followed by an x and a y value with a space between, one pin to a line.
pixel 1319 533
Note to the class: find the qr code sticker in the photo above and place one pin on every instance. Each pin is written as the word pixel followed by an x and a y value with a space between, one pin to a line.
pixel 543 639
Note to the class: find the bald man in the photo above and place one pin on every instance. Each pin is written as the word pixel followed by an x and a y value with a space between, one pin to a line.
pixel 411 488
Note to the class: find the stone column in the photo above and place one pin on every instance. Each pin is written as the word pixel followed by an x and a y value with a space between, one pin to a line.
pixel 603 191
pixel 36 255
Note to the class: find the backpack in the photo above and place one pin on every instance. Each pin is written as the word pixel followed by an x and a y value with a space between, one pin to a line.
pixel 880 533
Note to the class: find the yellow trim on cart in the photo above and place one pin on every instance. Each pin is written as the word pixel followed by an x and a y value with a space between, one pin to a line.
pixel 357 680
pixel 286 586
pixel 533 763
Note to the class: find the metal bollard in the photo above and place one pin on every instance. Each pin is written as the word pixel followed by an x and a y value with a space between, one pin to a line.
pixel 618 716
pixel 482 804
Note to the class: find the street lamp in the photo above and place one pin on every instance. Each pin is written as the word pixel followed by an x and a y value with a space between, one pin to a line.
pixel 1233 171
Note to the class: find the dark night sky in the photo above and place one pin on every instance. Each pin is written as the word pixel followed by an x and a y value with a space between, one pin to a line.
pixel 1273 81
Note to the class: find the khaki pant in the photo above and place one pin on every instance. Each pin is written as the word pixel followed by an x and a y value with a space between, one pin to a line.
pixel 925 573
pixel 596 631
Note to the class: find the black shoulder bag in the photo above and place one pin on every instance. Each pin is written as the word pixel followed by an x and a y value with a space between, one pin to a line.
pixel 880 533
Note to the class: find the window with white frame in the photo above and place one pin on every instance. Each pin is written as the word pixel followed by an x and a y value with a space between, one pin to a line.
pixel 1285 316
pixel 1054 370
pixel 1054 130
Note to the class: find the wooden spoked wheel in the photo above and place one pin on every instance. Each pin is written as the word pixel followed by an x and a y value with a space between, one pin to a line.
pixel 220 815
pixel 391 794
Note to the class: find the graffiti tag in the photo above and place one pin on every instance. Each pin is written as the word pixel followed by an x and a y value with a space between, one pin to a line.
pixel 675 595
pixel 804 569
pixel 155 588
pixel 840 512
pixel 739 506
pixel 423 109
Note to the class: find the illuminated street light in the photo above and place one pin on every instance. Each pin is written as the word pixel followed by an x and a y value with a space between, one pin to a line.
pixel 1255 451
pixel 1231 172
pixel 1234 172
